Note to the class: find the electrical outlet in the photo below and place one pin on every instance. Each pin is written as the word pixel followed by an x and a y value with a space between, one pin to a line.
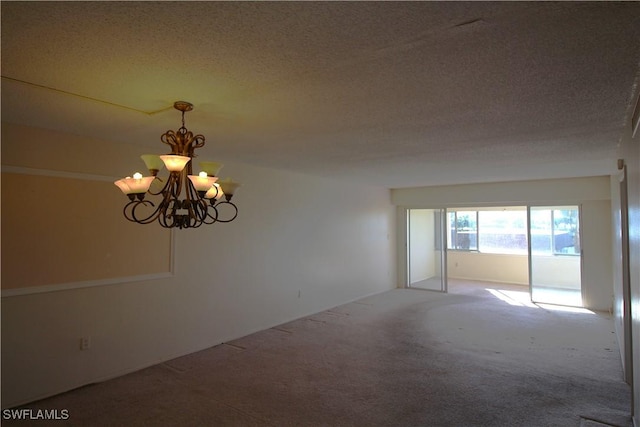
pixel 85 343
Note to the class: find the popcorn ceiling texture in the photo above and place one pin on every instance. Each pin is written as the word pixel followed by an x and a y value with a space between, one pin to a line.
pixel 397 94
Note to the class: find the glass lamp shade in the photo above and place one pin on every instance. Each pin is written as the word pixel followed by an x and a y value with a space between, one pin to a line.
pixel 202 182
pixel 214 191
pixel 153 162
pixel 211 168
pixel 175 163
pixel 229 186
pixel 138 185
pixel 122 185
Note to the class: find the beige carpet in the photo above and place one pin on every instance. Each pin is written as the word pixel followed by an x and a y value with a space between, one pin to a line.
pixel 402 358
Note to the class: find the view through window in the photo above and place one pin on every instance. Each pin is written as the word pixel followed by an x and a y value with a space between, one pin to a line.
pixel 504 231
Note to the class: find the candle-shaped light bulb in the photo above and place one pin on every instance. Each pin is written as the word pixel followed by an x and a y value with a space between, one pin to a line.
pixel 137 175
pixel 202 174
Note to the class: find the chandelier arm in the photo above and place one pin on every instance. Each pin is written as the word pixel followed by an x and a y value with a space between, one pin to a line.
pixel 198 206
pixel 185 138
pixel 162 217
pixel 128 207
pixel 159 191
pixel 131 208
pixel 189 198
pixel 170 216
pixel 193 219
pixel 159 214
pixel 189 220
pixel 211 218
pixel 165 204
pixel 197 142
pixel 190 192
pixel 171 139
pixel 183 142
pixel 149 219
pixel 175 186
pixel 195 222
pixel 235 211
pixel 201 210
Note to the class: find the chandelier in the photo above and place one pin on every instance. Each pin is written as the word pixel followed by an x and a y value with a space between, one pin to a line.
pixel 185 200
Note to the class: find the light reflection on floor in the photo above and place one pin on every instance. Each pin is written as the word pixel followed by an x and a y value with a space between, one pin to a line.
pixel 565 308
pixel 512 297
pixel 522 299
pixel 559 296
pixel 555 299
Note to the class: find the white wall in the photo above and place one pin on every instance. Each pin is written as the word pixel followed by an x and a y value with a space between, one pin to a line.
pixel 561 271
pixel 501 268
pixel 300 244
pixel 514 193
pixel 556 271
pixel 597 257
pixel 592 193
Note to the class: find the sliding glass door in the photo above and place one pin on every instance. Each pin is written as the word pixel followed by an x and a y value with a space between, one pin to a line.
pixel 555 255
pixel 426 249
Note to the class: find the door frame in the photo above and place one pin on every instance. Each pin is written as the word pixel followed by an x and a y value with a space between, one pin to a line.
pixel 403 243
pixel 530 252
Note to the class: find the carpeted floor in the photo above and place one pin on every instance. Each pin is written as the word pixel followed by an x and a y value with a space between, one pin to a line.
pixel 473 357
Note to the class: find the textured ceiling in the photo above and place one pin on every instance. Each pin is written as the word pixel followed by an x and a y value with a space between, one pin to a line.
pixel 397 94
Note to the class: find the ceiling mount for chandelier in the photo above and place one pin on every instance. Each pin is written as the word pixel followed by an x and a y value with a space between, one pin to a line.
pixel 185 200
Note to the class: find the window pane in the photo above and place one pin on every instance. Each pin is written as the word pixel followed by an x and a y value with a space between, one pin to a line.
pixel 467 230
pixel 541 231
pixel 503 232
pixel 566 239
pixel 451 235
